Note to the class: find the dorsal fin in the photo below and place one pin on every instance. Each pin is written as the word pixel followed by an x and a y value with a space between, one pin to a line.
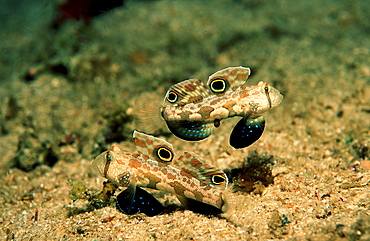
pixel 195 166
pixel 185 92
pixel 153 148
pixel 210 178
pixel 229 78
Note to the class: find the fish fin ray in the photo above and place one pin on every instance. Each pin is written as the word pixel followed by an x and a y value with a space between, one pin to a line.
pixel 233 76
pixel 190 130
pixel 153 148
pixel 185 92
pixel 195 166
pixel 147 114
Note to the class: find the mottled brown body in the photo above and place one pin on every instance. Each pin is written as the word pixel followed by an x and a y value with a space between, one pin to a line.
pixel 197 102
pixel 156 166
pixel 192 109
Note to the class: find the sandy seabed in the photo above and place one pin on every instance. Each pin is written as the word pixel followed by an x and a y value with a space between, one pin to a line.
pixel 67 94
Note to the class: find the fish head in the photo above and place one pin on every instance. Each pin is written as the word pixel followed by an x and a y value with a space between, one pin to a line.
pixel 273 94
pixel 261 97
pixel 102 162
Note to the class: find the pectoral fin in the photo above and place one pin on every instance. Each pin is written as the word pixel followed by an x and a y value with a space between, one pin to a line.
pixel 190 130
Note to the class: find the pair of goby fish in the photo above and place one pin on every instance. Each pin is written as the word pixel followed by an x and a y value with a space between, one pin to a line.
pixel 191 110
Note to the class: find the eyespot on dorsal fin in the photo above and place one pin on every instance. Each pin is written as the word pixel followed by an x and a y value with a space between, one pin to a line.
pixel 209 184
pixel 185 92
pixel 153 148
pixel 195 166
pixel 229 78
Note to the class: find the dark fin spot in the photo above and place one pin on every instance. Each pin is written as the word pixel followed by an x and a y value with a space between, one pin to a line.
pixel 190 130
pixel 246 132
pixel 143 202
pixel 217 123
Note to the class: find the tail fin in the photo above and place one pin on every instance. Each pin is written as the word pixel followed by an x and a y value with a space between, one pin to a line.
pixel 148 117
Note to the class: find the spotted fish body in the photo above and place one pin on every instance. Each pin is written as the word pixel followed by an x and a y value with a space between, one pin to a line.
pixel 157 166
pixel 192 109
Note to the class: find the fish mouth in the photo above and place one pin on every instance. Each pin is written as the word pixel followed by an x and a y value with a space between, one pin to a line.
pixel 275 97
pixel 99 163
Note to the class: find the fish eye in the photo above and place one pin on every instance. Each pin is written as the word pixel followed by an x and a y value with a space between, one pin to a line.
pixel 218 179
pixel 172 96
pixel 108 157
pixel 164 154
pixel 267 92
pixel 218 85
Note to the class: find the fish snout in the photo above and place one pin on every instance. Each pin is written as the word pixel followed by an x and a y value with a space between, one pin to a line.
pixel 99 163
